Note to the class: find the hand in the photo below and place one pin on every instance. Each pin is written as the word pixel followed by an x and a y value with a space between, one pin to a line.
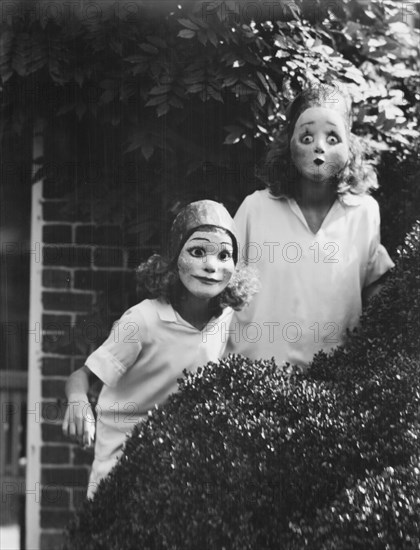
pixel 79 422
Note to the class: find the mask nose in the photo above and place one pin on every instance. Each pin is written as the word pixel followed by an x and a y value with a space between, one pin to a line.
pixel 210 263
pixel 319 148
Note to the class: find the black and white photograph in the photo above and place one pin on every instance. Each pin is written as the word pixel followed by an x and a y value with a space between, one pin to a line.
pixel 210 275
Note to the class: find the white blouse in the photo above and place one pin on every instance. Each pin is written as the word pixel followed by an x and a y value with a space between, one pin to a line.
pixel 311 283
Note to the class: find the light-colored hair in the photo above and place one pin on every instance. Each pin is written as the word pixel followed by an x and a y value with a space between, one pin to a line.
pixel 159 278
pixel 281 175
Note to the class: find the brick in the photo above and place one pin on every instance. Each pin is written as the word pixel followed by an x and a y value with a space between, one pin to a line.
pixel 79 497
pixel 77 362
pixel 82 456
pixel 85 234
pixel 107 235
pixel 56 278
pixel 66 301
pixel 59 211
pixel 52 541
pixel 56 334
pixel 52 518
pixel 52 234
pixel 83 279
pixel 91 332
pixel 55 496
pixel 67 477
pixel 52 366
pixel 56 211
pixel 53 411
pixel 52 322
pixel 55 454
pixel 67 256
pixel 55 188
pixel 59 335
pixel 102 280
pixel 108 257
pixel 53 387
pixel 137 255
pixel 53 433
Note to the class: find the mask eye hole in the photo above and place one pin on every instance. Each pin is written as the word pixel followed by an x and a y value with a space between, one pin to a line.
pixel 197 251
pixel 332 139
pixel 307 139
pixel 225 255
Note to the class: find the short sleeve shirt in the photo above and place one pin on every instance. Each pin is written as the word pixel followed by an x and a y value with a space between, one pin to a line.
pixel 140 362
pixel 311 284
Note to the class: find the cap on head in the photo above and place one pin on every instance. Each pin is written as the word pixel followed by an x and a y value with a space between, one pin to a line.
pixel 331 96
pixel 198 214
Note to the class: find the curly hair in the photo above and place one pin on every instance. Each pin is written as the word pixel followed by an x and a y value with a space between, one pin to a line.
pixel 158 278
pixel 279 173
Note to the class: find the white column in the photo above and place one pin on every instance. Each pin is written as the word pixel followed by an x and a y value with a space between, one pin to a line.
pixel 34 439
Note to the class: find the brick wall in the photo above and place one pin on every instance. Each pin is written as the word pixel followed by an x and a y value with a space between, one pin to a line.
pixel 87 282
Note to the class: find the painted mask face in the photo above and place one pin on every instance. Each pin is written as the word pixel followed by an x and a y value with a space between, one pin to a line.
pixel 205 263
pixel 319 145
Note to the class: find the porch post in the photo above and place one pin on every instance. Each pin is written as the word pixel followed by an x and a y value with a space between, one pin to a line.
pixel 34 440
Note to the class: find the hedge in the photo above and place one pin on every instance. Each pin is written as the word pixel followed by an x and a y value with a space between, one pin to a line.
pixel 246 457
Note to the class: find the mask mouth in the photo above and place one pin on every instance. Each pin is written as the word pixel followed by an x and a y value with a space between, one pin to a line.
pixel 207 279
pixel 318 162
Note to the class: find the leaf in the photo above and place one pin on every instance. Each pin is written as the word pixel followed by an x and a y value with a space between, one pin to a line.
pixel 261 98
pixel 148 48
pixel 202 37
pixel 78 76
pixel 107 96
pixel 195 88
pixel 162 109
pixel 231 139
pixel 157 41
pixel 230 81
pixel 66 108
pixel 186 34
pixel 80 109
pixel 108 84
pixel 213 37
pixel 215 94
pixel 161 89
pixel 235 134
pixel 156 100
pixel 250 83
pixel 188 24
pixel 135 58
pixel 147 151
pixel 175 102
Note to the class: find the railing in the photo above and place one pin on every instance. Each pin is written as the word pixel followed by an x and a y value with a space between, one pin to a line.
pixel 13 399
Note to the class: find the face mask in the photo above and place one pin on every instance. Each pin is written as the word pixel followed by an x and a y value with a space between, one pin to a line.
pixel 205 263
pixel 319 144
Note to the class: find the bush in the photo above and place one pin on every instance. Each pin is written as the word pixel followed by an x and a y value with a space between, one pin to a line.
pixel 244 457
pixel 381 511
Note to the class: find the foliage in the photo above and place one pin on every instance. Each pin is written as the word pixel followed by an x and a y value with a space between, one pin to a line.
pixel 245 457
pixel 191 91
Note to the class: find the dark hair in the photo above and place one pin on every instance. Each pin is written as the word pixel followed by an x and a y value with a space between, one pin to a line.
pixel 280 174
pixel 159 278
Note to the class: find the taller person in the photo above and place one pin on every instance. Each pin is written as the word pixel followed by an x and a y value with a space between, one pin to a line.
pixel 313 234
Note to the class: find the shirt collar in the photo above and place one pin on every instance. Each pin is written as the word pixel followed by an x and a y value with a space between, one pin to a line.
pixel 165 311
pixel 350 200
pixel 347 199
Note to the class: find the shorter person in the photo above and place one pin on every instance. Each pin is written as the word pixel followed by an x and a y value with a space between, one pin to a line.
pixel 182 325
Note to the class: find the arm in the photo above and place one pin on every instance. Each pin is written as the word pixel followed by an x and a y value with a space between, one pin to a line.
pixel 379 261
pixel 79 422
pixel 373 289
pixel 241 222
